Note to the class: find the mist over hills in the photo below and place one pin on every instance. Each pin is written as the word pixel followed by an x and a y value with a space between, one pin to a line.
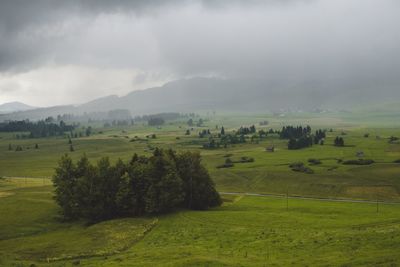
pixel 14 106
pixel 201 94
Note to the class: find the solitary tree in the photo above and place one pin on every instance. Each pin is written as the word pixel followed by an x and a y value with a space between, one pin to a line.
pixel 222 130
pixel 88 131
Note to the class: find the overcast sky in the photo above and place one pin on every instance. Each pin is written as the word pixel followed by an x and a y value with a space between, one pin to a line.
pixel 62 52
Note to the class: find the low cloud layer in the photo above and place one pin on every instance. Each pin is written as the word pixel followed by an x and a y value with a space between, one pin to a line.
pixel 74 51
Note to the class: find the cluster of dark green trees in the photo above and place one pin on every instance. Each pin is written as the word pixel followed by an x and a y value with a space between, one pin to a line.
pixel 113 123
pixel 155 121
pixel 204 132
pixel 246 130
pixel 86 132
pixel 145 185
pixel 338 141
pixel 289 132
pixel 166 116
pixel 319 136
pixel 191 123
pixel 19 147
pixel 265 133
pixel 224 139
pixel 301 137
pixel 302 142
pixel 36 129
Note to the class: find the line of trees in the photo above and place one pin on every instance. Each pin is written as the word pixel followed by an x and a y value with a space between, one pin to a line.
pixel 302 142
pixel 36 129
pixel 144 185
pixel 289 132
pixel 246 130
pixel 301 137
pixel 167 116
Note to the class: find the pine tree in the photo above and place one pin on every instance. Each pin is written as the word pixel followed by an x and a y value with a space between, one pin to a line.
pixel 222 130
pixel 64 181
pixel 165 191
pixel 199 189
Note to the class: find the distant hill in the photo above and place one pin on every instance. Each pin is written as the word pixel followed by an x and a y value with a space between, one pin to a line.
pixel 206 94
pixel 14 106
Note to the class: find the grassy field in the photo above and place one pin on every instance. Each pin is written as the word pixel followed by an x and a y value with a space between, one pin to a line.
pixel 269 173
pixel 246 230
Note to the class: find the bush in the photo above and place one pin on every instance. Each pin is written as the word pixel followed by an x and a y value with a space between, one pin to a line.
pixel 300 167
pixel 314 161
pixel 245 159
pixel 228 164
pixel 396 161
pixel 358 162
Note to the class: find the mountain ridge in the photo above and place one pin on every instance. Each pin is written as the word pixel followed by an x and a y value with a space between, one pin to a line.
pixel 14 106
pixel 205 94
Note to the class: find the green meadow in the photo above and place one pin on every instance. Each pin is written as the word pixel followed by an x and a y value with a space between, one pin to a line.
pixel 245 230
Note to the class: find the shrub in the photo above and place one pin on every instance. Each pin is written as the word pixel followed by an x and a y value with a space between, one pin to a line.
pixel 228 164
pixel 300 167
pixel 245 159
pixel 314 161
pixel 358 162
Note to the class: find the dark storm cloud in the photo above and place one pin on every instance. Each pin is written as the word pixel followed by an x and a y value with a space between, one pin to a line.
pixel 350 44
pixel 31 32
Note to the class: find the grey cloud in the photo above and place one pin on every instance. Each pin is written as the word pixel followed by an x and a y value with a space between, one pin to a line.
pixel 27 42
pixel 348 44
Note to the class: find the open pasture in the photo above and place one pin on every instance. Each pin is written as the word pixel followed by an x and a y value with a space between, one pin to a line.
pixel 244 231
pixel 269 173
